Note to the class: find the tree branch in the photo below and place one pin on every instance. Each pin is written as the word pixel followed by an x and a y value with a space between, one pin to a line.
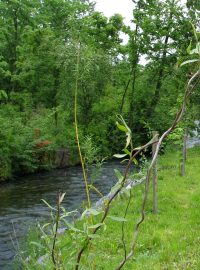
pixel 179 115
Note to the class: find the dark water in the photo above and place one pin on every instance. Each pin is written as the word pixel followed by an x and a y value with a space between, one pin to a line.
pixel 21 205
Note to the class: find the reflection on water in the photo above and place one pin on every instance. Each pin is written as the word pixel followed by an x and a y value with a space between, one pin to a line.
pixel 21 205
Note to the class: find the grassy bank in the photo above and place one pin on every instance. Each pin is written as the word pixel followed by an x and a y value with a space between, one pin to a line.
pixel 166 241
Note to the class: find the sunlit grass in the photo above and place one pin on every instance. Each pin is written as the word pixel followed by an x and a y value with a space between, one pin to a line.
pixel 166 241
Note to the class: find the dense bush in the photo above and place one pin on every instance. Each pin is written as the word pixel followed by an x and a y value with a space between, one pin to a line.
pixel 28 144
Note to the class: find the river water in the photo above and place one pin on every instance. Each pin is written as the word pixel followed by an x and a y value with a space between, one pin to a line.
pixel 21 205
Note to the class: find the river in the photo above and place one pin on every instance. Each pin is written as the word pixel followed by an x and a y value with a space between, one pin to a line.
pixel 21 205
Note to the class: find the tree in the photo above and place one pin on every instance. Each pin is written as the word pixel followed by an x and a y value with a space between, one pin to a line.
pixel 14 17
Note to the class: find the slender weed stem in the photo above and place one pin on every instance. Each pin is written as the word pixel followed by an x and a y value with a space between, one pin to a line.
pixel 76 127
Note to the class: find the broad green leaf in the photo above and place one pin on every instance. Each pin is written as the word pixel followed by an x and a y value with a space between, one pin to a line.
pixel 119 155
pixel 121 119
pixel 120 219
pixel 120 127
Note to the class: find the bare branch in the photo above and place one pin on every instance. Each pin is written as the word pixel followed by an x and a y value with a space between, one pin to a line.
pixel 135 152
pixel 179 115
pixel 123 223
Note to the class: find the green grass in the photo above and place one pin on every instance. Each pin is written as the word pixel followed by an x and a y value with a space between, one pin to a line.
pixel 167 241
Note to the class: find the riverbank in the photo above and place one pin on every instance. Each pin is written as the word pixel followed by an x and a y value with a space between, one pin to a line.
pixel 46 160
pixel 169 240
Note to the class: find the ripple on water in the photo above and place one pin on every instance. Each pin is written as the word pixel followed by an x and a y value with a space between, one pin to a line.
pixel 21 204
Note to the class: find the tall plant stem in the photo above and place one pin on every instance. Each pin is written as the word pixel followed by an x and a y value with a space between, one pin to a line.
pixel 56 232
pixel 76 127
pixel 135 152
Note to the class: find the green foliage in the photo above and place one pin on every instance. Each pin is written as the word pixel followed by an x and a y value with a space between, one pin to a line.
pixel 37 74
pixel 157 248
pixel 16 144
pixel 20 145
pixel 92 157
pixel 176 137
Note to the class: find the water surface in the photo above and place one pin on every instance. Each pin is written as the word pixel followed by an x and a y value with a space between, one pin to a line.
pixel 21 205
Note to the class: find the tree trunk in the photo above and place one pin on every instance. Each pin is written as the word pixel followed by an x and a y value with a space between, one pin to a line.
pixel 124 94
pixel 155 176
pixel 156 96
pixel 184 155
pixel 16 37
pixel 134 67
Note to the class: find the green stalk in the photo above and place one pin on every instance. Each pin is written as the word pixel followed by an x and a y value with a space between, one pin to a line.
pixel 76 128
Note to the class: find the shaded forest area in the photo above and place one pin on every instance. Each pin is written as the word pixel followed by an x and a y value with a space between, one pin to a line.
pixel 39 44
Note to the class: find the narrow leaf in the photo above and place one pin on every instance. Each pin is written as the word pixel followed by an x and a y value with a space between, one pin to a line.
pixel 189 47
pixel 120 219
pixel 36 244
pixel 119 155
pixel 194 30
pixel 71 227
pixel 115 187
pixel 95 226
pixel 61 197
pixel 127 152
pixel 93 235
pixel 124 160
pixel 128 140
pixel 196 50
pixel 135 161
pixel 189 62
pixel 49 205
pixel 119 175
pixel 89 211
pixel 45 225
